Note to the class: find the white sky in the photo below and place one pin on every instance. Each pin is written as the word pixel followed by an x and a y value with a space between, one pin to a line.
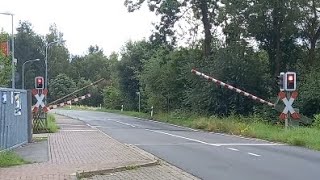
pixel 105 23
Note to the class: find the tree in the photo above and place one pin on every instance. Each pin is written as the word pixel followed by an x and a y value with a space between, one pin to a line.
pixel 28 46
pixel 92 66
pixel 60 86
pixel 161 80
pixel 310 27
pixel 5 65
pixel 112 97
pixel 173 11
pixel 129 69
pixel 58 54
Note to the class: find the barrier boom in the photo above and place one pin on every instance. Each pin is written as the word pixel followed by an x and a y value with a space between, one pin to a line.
pixel 237 90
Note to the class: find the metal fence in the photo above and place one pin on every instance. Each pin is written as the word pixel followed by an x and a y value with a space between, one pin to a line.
pixel 14 118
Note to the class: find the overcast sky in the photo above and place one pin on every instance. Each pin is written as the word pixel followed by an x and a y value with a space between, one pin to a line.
pixel 105 23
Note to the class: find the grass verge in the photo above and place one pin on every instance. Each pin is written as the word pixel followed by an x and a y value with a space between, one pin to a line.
pixel 52 125
pixel 9 158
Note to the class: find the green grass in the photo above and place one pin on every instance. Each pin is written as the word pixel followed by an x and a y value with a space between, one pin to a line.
pixel 52 125
pixel 9 158
pixel 254 127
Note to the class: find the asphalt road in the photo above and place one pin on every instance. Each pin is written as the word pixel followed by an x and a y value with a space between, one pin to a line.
pixel 208 155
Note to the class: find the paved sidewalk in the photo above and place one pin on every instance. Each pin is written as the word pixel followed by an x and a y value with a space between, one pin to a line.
pixel 80 148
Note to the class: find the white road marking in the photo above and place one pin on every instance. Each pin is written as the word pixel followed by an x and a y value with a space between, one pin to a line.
pixel 253 154
pixel 182 137
pixel 90 126
pixel 167 124
pixel 96 126
pixel 248 144
pixel 124 123
pixel 164 144
pixel 233 149
pixel 238 136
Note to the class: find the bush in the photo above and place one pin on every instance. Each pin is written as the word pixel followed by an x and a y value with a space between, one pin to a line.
pixel 316 122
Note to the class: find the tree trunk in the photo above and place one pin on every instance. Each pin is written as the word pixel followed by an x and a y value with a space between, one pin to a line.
pixel 277 37
pixel 207 27
pixel 315 35
pixel 312 54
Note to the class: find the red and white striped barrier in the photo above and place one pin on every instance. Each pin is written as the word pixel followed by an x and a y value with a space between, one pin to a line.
pixel 225 85
pixel 70 101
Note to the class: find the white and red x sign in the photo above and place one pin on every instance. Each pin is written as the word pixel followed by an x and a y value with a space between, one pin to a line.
pixel 288 105
pixel 40 97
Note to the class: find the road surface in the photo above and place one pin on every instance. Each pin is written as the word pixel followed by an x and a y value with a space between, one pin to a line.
pixel 207 155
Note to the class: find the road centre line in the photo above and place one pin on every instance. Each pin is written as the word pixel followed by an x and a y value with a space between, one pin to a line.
pixel 159 122
pixel 182 137
pixel 233 149
pixel 248 144
pixel 253 154
pixel 211 144
pixel 122 123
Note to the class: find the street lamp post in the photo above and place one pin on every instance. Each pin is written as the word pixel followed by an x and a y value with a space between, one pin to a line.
pixel 23 65
pixel 46 62
pixel 138 93
pixel 12 55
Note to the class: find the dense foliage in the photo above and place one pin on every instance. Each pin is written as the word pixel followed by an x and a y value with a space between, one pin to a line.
pixel 257 40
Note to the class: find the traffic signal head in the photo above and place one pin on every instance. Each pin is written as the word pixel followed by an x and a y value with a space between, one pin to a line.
pixel 39 82
pixel 280 81
pixel 290 81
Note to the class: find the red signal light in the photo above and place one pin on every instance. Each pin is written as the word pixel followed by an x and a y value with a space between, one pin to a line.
pixel 39 82
pixel 291 77
pixel 291 84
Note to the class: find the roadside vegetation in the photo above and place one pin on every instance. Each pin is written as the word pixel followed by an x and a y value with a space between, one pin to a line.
pixel 51 126
pixel 9 158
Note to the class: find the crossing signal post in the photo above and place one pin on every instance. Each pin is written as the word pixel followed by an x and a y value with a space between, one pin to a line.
pixel 39 109
pixel 288 84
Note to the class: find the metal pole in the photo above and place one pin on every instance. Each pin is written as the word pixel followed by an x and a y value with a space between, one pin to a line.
pixel 46 72
pixel 12 63
pixel 22 87
pixel 23 65
pixel 139 102
pixel 29 102
pixel 46 64
pixel 288 94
